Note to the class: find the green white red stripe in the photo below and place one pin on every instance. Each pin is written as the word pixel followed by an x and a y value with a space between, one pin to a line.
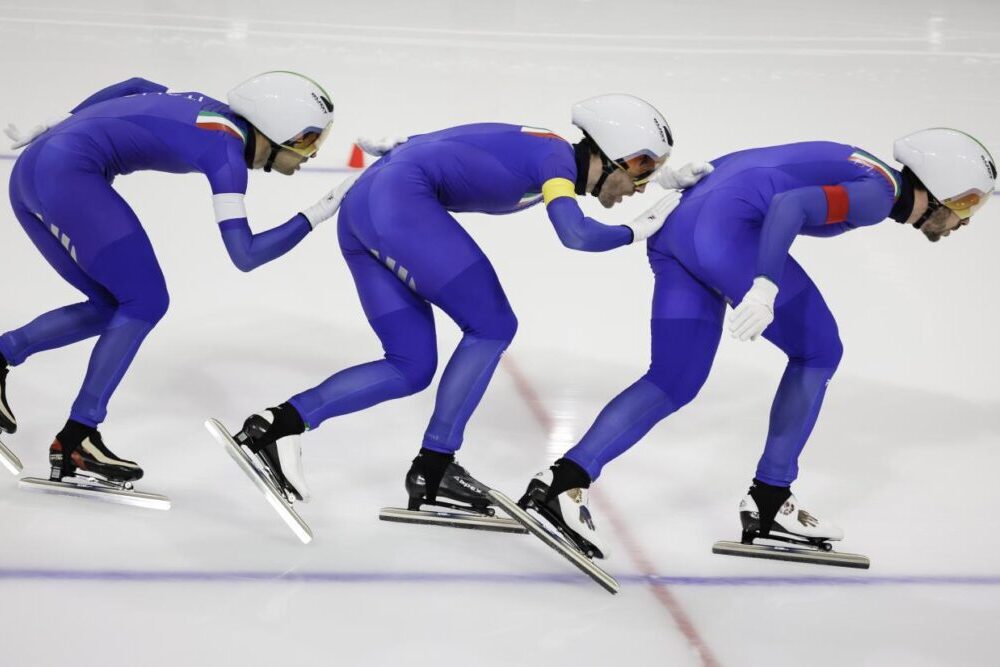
pixel 539 132
pixel 208 120
pixel 529 199
pixel 873 163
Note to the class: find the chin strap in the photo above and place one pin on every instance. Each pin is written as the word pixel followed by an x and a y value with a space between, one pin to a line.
pixel 932 206
pixel 903 206
pixel 582 152
pixel 607 168
pixel 275 149
pixel 250 150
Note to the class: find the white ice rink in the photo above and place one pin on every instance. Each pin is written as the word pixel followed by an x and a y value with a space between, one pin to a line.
pixel 905 455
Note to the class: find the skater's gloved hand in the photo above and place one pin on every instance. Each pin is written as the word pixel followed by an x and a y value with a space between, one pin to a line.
pixel 379 146
pixel 684 177
pixel 328 205
pixel 21 139
pixel 756 310
pixel 650 222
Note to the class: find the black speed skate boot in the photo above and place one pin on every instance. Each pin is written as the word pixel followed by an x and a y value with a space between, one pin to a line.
pixel 560 496
pixel 272 438
pixel 8 423
pixel 436 481
pixel 83 466
pixel 435 476
pixel 79 450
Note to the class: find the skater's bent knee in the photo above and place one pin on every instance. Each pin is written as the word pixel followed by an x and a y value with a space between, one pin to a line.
pixel 103 307
pixel 149 307
pixel 416 372
pixel 821 352
pixel 502 326
pixel 833 352
pixel 680 388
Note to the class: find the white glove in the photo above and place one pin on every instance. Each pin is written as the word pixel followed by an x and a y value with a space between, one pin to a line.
pixel 377 147
pixel 756 310
pixel 684 177
pixel 22 139
pixel 650 222
pixel 328 205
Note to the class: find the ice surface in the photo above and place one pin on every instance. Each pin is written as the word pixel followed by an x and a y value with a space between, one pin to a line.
pixel 904 456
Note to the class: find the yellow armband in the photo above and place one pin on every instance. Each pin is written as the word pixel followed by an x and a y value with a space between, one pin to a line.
pixel 557 187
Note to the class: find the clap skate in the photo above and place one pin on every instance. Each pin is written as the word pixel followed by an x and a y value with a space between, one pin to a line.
pixel 9 460
pixel 8 424
pixel 89 469
pixel 809 536
pixel 275 468
pixel 459 492
pixel 567 525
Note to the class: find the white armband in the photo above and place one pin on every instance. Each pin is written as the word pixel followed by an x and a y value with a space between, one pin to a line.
pixel 229 206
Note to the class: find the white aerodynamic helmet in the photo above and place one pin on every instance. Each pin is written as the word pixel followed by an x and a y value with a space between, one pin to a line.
pixel 627 130
pixel 956 169
pixel 624 126
pixel 290 109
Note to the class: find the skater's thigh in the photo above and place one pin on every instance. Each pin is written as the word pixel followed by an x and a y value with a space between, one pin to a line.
pixel 679 295
pixel 686 326
pixel 384 290
pixel 804 328
pixel 716 238
pixel 107 241
pixel 50 242
pixel 412 229
pixel 412 233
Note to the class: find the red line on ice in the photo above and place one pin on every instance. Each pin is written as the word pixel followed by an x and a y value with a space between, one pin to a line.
pixel 634 549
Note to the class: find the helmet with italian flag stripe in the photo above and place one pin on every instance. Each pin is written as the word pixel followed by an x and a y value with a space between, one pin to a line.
pixel 624 126
pixel 954 167
pixel 629 132
pixel 290 109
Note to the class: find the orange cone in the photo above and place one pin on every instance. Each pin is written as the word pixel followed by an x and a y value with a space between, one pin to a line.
pixel 357 159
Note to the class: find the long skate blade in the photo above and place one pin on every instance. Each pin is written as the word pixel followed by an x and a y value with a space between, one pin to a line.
pixel 274 497
pixel 566 550
pixel 797 554
pixel 452 520
pixel 81 489
pixel 10 460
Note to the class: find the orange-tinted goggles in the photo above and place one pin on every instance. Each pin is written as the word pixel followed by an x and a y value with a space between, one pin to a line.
pixel 641 168
pixel 967 203
pixel 307 143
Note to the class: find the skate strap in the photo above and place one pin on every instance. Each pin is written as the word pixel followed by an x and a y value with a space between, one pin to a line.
pixel 432 466
pixel 769 499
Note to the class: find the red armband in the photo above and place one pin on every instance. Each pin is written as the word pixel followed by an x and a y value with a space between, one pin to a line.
pixel 836 203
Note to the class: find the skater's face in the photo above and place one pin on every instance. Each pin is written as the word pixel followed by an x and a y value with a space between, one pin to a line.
pixel 288 162
pixel 941 223
pixel 618 186
pixel 626 180
pixel 620 183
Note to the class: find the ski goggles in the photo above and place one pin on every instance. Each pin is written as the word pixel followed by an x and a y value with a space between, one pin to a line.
pixel 307 142
pixel 967 203
pixel 641 168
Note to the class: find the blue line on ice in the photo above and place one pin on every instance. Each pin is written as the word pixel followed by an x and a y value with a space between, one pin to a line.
pixel 157 576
